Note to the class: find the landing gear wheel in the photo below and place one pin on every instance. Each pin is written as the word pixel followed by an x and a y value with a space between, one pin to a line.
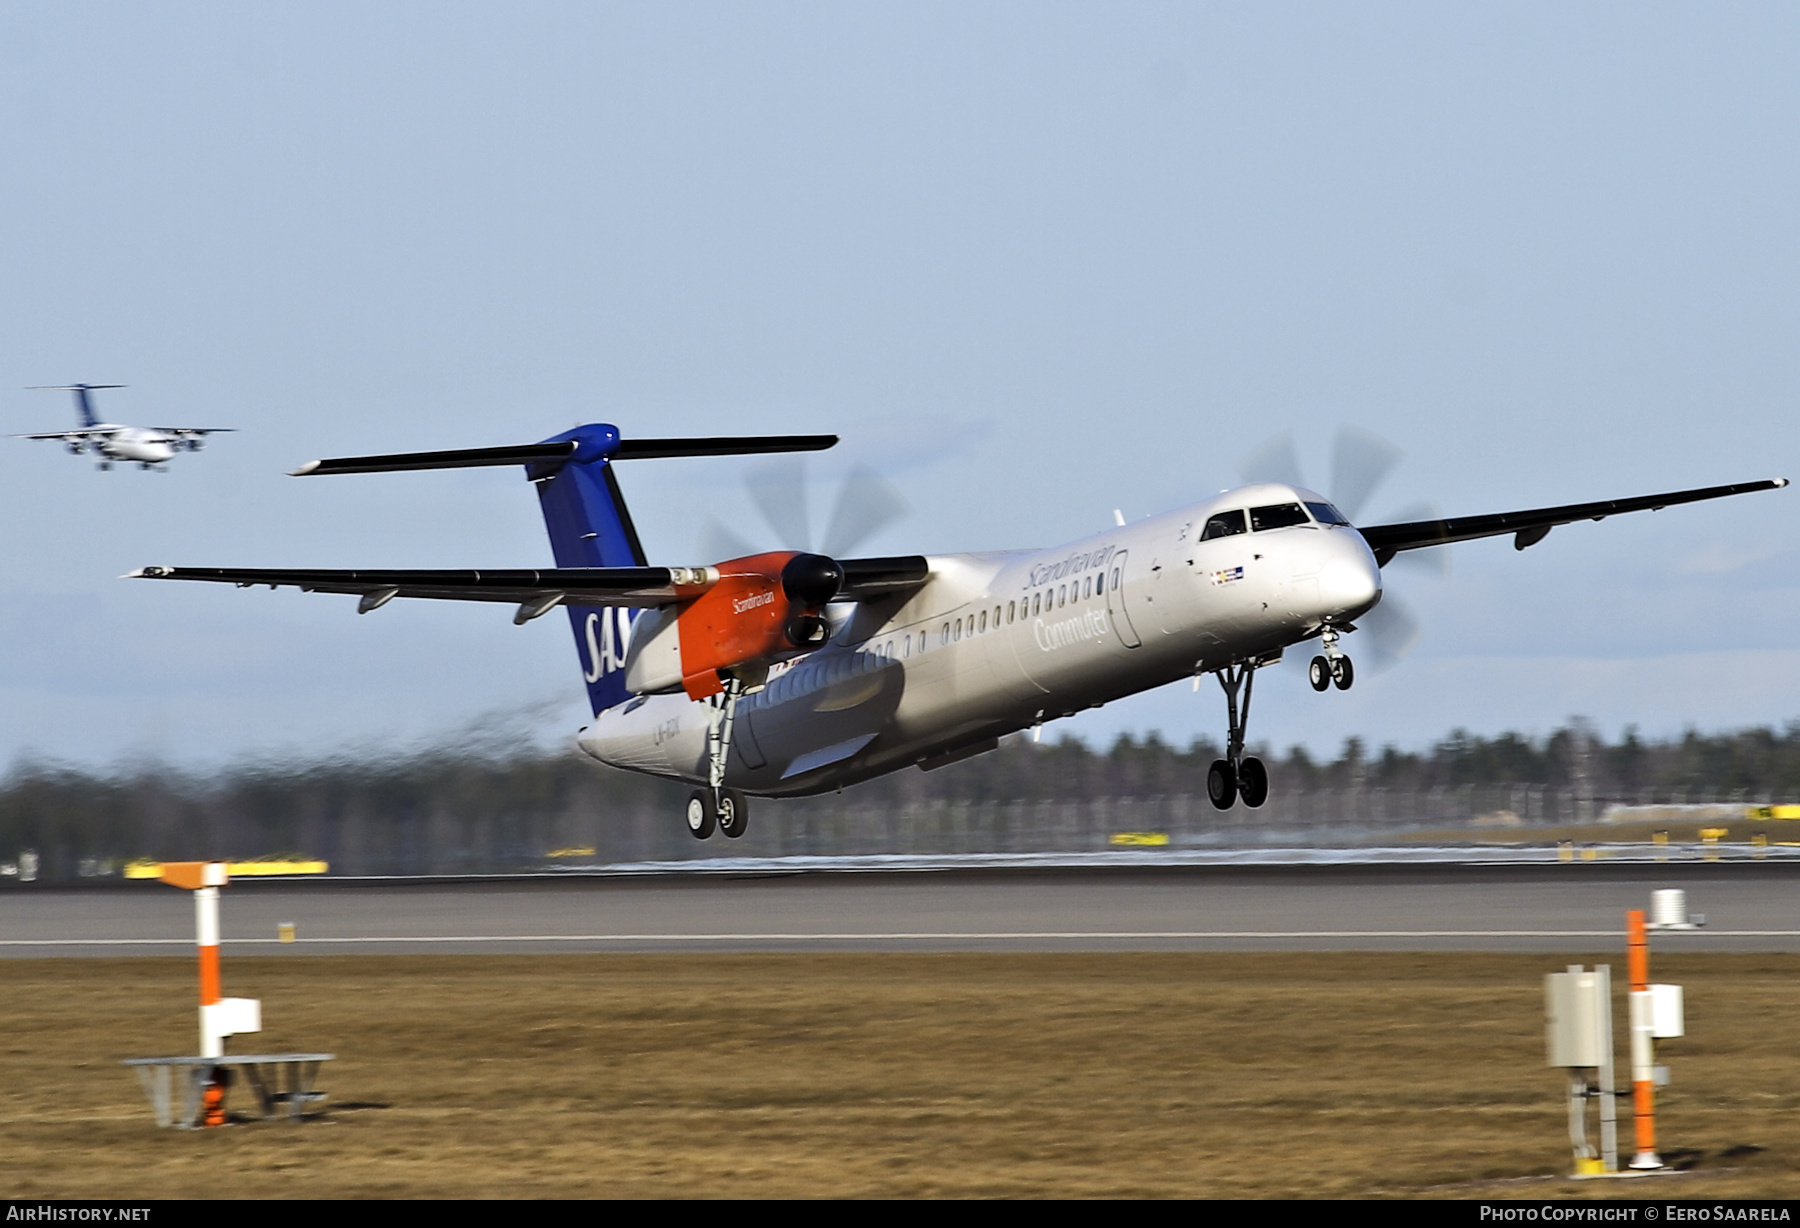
pixel 1221 784
pixel 1319 674
pixel 700 813
pixel 1342 673
pixel 734 813
pixel 1253 782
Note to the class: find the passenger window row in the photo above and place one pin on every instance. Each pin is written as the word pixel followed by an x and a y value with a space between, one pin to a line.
pixel 1040 602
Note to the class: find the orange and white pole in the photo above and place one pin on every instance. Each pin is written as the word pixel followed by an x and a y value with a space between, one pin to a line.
pixel 206 930
pixel 1643 1059
pixel 204 878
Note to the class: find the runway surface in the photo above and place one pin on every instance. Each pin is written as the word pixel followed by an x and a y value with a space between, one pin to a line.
pixel 1559 908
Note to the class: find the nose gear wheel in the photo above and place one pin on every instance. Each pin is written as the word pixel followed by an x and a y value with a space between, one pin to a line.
pixel 1332 667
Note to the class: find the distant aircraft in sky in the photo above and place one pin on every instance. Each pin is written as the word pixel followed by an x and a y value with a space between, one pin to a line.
pixel 792 673
pixel 149 446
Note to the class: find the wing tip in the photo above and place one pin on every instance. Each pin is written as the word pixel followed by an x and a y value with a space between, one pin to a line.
pixel 147 573
pixel 309 467
pixel 1780 482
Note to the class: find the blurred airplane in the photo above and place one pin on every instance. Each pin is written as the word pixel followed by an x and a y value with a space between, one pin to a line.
pixel 786 673
pixel 148 446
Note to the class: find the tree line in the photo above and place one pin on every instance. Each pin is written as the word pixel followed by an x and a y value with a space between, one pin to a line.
pixel 455 810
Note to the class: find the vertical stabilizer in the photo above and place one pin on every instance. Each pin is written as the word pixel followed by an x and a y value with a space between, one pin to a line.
pixel 84 405
pixel 589 526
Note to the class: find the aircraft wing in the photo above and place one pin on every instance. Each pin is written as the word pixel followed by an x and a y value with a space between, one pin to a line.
pixel 864 579
pixel 625 586
pixel 191 432
pixel 1532 526
pixel 77 436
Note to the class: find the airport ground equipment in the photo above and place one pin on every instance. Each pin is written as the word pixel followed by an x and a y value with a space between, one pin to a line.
pixel 1656 1014
pixel 281 1081
pixel 1668 911
pixel 1578 1011
pixel 1578 1007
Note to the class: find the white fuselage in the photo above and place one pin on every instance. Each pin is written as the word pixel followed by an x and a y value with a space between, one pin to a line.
pixel 994 643
pixel 133 443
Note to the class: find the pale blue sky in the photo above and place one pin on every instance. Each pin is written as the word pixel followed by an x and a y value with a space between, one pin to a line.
pixel 1036 261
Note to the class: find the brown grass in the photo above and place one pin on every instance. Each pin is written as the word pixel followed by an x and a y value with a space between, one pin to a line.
pixel 1371 1075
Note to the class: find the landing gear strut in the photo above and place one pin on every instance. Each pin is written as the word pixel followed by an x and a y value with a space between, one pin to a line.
pixel 1236 776
pixel 715 805
pixel 1333 666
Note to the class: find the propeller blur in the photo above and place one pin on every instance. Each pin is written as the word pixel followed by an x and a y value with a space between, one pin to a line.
pixel 788 672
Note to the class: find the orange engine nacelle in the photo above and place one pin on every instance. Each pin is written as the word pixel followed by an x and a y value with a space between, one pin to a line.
pixel 764 608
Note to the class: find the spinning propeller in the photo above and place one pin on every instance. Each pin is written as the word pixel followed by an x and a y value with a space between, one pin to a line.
pixel 1360 462
pixel 866 504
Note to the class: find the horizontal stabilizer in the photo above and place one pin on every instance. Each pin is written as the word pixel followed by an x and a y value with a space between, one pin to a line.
pixel 742 445
pixel 551 452
pixel 462 458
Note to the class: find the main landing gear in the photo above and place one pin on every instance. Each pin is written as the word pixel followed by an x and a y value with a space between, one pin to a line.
pixel 1236 776
pixel 715 805
pixel 726 809
pixel 1331 667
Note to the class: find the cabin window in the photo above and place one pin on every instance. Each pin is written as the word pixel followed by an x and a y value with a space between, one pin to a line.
pixel 1062 595
pixel 1100 583
pixel 983 626
pixel 1225 524
pixel 1034 602
pixel 1009 612
pixel 1115 579
pixel 1277 516
pixel 944 635
pixel 1087 588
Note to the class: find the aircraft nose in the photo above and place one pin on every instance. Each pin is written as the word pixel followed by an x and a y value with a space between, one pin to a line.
pixel 1350 584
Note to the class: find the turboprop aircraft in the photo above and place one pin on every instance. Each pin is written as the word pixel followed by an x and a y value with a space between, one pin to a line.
pixel 149 446
pixel 789 673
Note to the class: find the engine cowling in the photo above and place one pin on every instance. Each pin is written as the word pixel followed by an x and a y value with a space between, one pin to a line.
pixel 762 609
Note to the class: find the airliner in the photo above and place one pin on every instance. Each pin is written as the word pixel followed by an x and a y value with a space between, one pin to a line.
pixel 149 446
pixel 789 673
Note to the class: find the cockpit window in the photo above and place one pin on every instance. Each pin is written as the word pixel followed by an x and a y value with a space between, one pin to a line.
pixel 1225 524
pixel 1324 513
pixel 1277 516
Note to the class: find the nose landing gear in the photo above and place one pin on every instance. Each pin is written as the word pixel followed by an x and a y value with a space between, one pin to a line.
pixel 1333 667
pixel 1237 776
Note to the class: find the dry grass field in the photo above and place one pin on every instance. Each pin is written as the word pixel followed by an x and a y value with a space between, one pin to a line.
pixel 1365 1075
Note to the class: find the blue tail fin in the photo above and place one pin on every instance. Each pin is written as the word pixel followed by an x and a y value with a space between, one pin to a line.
pixel 589 526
